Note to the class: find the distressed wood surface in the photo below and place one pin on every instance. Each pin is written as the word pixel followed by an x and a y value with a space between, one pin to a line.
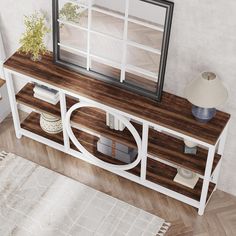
pixel 156 172
pixel 162 145
pixel 173 112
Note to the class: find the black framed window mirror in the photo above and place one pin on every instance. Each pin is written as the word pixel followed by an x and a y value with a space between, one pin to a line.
pixel 123 42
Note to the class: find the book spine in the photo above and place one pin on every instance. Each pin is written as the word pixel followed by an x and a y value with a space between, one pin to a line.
pixel 45 93
pixel 111 121
pixel 51 101
pixel 121 126
pixel 116 123
pixel 107 119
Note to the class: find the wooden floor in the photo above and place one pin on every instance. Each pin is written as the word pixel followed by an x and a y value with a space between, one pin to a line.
pixel 219 218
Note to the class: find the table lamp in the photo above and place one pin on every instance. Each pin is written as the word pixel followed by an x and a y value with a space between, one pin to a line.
pixel 205 93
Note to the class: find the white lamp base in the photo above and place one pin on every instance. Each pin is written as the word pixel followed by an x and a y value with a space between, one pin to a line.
pixel 190 183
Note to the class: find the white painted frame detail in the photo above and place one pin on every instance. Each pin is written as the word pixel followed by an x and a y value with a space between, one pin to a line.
pixel 141 141
pixel 125 121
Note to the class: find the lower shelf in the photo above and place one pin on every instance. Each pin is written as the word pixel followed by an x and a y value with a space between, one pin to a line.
pixel 31 123
pixel 157 172
pixel 163 175
pixel 160 144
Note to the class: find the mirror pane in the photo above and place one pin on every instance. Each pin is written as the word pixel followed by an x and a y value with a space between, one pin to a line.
pixel 73 37
pixel 73 12
pixel 145 82
pixel 106 47
pixel 107 24
pixel 147 12
pixel 111 7
pixel 72 57
pixel 144 35
pixel 104 68
pixel 143 59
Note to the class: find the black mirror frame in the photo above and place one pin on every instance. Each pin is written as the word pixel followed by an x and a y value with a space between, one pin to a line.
pixel 129 86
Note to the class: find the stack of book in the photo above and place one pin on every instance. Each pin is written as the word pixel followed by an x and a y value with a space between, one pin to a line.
pixel 46 94
pixel 116 150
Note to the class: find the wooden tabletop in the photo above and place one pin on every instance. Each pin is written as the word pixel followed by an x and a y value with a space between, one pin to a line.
pixel 172 112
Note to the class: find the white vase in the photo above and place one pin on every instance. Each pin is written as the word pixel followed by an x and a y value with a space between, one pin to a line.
pixel 50 124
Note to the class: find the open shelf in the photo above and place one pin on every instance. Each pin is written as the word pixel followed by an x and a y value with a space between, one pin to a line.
pixel 173 112
pixel 89 142
pixel 32 124
pixel 157 172
pixel 92 119
pixel 26 97
pixel 171 149
pixel 161 145
pixel 168 122
pixel 163 175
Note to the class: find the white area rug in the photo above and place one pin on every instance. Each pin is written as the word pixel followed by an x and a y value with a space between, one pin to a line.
pixel 35 201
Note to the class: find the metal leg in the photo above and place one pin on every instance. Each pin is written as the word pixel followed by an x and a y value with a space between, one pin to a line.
pixel 63 115
pixel 206 181
pixel 222 141
pixel 220 151
pixel 12 99
pixel 144 151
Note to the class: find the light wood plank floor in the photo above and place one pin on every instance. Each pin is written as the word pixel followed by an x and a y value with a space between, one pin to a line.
pixel 219 218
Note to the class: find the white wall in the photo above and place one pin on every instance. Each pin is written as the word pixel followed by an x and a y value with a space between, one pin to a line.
pixel 203 38
pixel 4 102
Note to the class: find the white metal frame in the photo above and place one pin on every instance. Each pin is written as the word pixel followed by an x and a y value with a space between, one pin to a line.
pixel 126 122
pixel 124 40
pixel 142 142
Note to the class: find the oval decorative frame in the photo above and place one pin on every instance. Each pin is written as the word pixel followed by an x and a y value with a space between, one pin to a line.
pixel 126 122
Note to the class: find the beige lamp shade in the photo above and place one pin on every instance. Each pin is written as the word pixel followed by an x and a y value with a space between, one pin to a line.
pixel 206 91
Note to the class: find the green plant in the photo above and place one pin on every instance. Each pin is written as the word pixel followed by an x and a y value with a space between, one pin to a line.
pixel 32 41
pixel 70 12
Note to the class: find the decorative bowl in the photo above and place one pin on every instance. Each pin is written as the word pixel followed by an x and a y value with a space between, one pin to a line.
pixel 50 124
pixel 187 174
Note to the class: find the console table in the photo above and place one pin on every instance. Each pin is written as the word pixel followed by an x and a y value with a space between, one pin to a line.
pixel 157 130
